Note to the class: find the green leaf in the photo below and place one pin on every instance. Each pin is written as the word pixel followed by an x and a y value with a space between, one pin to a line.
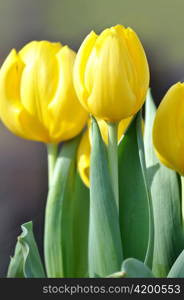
pixel 80 231
pixel 67 218
pixel 177 270
pixel 105 251
pixel 59 245
pixel 134 268
pixel 26 262
pixel 165 193
pixel 16 266
pixel 75 226
pixel 134 196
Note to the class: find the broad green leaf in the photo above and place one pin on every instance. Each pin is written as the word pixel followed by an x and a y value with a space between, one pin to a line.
pixel 16 266
pixel 177 270
pixel 133 268
pixel 26 262
pixel 134 198
pixel 165 193
pixel 67 217
pixel 75 226
pixel 105 250
pixel 58 239
pixel 80 219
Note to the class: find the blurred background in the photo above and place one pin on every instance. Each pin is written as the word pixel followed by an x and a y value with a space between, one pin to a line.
pixel 23 164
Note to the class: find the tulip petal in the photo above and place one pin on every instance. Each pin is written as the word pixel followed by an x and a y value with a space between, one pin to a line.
pixel 10 105
pixel 39 77
pixel 141 65
pixel 108 72
pixel 68 114
pixel 122 127
pixel 168 129
pixel 12 112
pixel 80 64
pixel 112 87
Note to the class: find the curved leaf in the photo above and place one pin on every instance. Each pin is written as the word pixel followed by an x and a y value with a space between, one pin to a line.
pixel 67 218
pixel 134 268
pixel 134 199
pixel 80 227
pixel 105 251
pixel 165 193
pixel 26 261
pixel 177 270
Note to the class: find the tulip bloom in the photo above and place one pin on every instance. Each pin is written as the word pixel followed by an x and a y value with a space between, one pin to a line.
pixel 111 74
pixel 84 151
pixel 38 100
pixel 168 130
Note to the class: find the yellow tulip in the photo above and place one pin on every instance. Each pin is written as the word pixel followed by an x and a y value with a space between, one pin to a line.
pixel 111 74
pixel 168 129
pixel 84 151
pixel 38 100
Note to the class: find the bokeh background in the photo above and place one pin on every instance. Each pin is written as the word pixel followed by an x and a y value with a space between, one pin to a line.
pixel 23 164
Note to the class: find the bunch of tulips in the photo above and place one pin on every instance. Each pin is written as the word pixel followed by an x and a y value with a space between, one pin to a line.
pixel 115 201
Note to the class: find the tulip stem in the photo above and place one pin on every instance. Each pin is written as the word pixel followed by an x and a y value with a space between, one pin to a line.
pixel 52 150
pixel 113 158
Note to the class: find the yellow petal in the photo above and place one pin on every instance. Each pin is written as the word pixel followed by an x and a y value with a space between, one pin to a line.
pixel 111 97
pixel 39 78
pixel 168 137
pixel 12 113
pixel 122 127
pixel 80 64
pixel 83 158
pixel 163 160
pixel 104 130
pixel 139 59
pixel 111 74
pixel 10 78
pixel 68 114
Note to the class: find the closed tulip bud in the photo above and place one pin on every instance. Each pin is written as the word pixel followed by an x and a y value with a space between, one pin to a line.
pixel 111 74
pixel 84 151
pixel 168 129
pixel 38 100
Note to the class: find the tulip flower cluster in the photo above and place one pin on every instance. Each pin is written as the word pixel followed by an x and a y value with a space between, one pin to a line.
pixel 113 209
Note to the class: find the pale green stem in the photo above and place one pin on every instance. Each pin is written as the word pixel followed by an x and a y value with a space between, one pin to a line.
pixel 113 158
pixel 52 150
pixel 182 199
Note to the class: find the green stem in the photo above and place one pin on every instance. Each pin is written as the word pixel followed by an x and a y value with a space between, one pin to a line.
pixel 113 158
pixel 52 150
